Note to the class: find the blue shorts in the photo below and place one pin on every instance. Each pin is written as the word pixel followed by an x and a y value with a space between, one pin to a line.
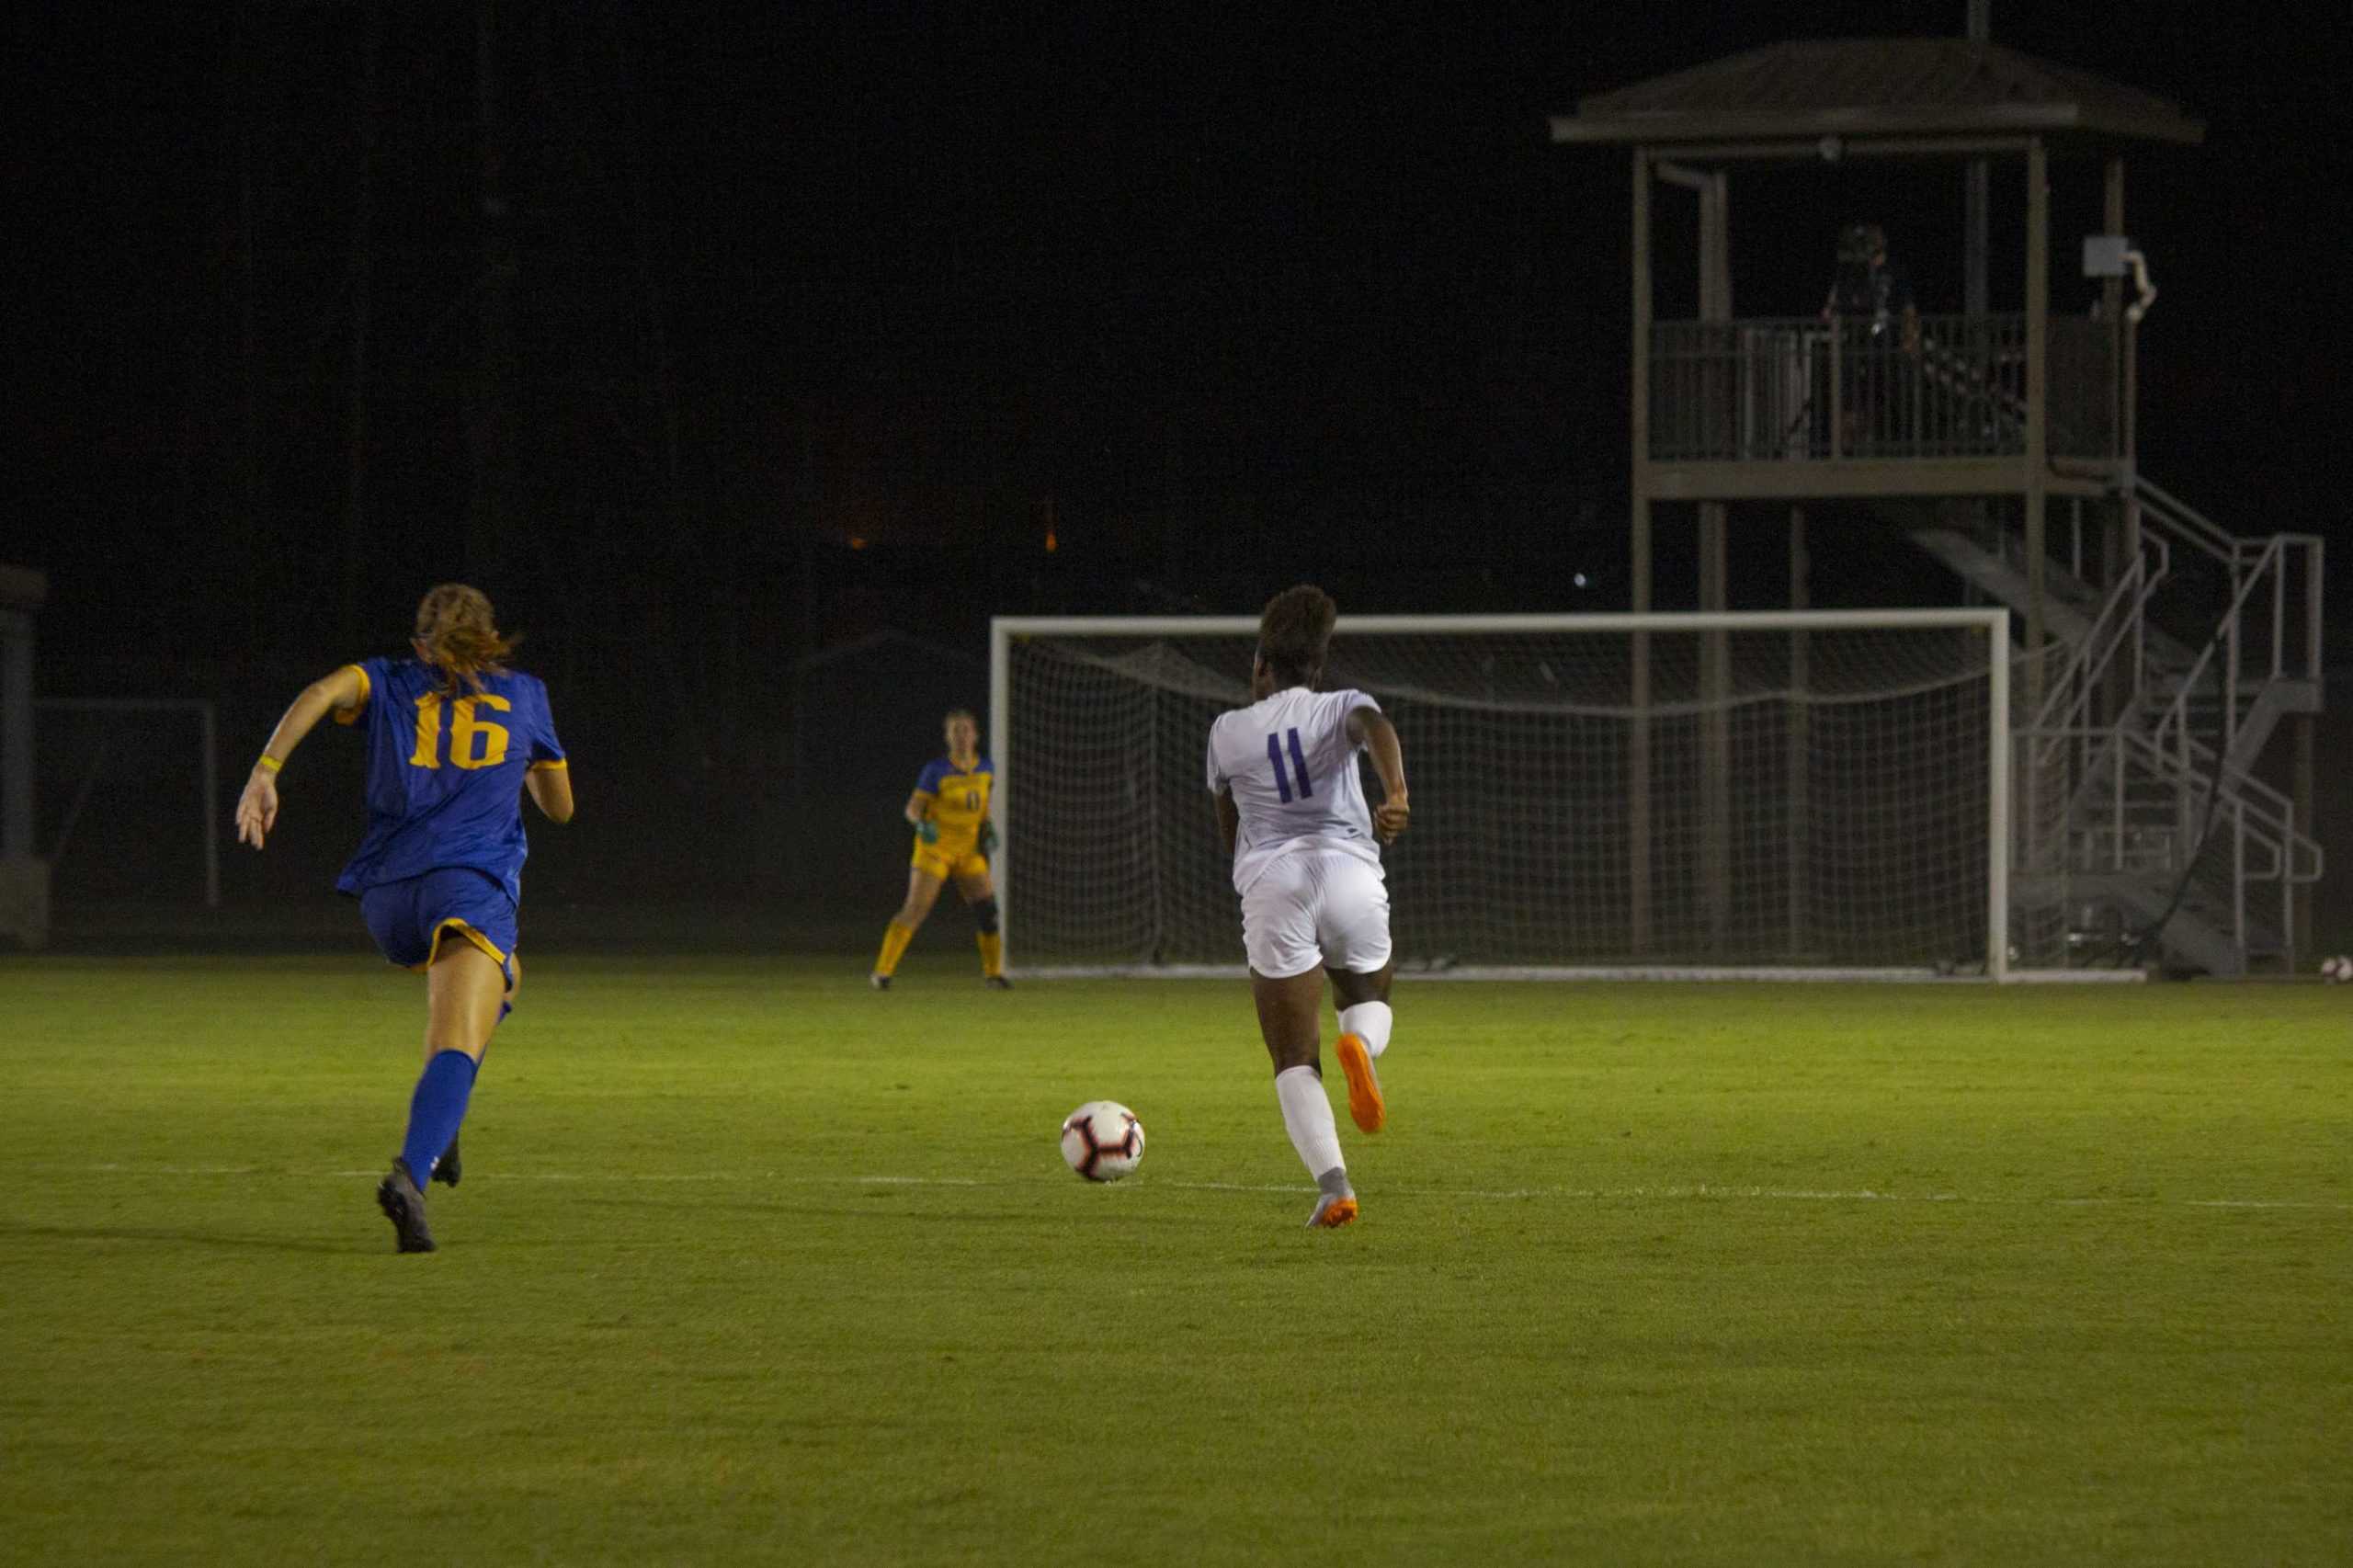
pixel 410 919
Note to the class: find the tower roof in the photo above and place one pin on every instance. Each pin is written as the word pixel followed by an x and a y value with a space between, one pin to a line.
pixel 1863 88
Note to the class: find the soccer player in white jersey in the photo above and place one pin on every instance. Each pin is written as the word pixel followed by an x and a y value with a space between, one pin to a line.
pixel 1307 863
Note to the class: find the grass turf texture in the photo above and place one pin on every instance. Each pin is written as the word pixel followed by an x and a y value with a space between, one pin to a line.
pixel 753 1264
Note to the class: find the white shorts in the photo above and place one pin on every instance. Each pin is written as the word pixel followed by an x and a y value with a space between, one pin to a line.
pixel 1316 908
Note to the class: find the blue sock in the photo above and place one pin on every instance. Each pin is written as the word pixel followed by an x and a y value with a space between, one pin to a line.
pixel 435 1109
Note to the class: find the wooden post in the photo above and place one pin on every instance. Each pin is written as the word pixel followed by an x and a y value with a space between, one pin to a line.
pixel 2033 484
pixel 1715 732
pixel 2112 219
pixel 2304 728
pixel 1801 803
pixel 1638 749
pixel 2037 476
pixel 1715 662
pixel 1976 200
pixel 2123 383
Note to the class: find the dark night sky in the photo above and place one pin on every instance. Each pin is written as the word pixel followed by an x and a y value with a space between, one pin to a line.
pixel 1307 280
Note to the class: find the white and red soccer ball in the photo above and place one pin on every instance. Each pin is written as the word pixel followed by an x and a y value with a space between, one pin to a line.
pixel 1102 1140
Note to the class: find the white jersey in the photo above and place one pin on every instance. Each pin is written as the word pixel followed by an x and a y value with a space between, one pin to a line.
pixel 1293 769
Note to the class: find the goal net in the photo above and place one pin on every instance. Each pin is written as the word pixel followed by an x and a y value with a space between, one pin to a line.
pixel 1816 791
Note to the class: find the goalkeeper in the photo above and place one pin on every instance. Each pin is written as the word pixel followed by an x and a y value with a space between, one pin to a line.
pixel 949 810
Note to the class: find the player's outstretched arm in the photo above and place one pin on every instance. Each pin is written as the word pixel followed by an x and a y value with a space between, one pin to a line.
pixel 257 806
pixel 1371 728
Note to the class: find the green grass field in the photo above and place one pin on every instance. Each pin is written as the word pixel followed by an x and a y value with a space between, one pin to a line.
pixel 752 1265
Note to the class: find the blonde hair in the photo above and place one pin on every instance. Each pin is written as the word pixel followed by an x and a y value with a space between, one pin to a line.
pixel 458 637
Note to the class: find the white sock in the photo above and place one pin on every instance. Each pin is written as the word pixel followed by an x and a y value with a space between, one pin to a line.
pixel 1307 1117
pixel 1371 1022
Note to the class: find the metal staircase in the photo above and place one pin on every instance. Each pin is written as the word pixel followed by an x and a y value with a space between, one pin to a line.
pixel 2143 832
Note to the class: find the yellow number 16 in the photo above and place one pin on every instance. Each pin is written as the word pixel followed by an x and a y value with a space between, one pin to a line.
pixel 473 743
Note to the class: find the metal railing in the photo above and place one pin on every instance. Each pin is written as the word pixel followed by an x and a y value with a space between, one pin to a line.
pixel 2273 586
pixel 2113 647
pixel 2170 814
pixel 2238 668
pixel 1807 389
pixel 2091 695
pixel 2138 767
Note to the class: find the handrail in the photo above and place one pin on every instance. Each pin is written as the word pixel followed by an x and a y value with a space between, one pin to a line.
pixel 2226 638
pixel 2125 606
pixel 2241 556
pixel 2268 814
pixel 1781 389
pixel 2140 793
pixel 2063 722
pixel 2194 526
pixel 2219 542
pixel 2270 808
pixel 2197 755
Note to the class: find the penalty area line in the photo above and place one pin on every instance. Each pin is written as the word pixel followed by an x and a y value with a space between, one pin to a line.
pixel 1695 1192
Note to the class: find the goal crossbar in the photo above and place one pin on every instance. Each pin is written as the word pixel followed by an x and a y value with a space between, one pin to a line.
pixel 1994 623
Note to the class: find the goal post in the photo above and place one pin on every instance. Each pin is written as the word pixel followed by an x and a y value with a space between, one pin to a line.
pixel 1819 793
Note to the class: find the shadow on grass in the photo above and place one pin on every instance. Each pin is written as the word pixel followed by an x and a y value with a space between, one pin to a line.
pixel 160 1236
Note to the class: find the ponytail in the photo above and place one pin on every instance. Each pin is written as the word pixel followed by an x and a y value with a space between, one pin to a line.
pixel 457 636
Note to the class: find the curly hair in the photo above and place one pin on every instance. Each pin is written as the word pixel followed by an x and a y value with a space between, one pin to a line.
pixel 1295 633
pixel 457 635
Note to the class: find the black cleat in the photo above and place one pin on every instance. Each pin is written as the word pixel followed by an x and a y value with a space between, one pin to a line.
pixel 403 1204
pixel 996 983
pixel 879 982
pixel 446 1170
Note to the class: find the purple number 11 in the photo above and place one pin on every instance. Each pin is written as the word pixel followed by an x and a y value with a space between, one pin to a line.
pixel 1298 761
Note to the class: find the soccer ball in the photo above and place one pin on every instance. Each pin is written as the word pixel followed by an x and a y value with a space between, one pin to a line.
pixel 2336 970
pixel 1103 1140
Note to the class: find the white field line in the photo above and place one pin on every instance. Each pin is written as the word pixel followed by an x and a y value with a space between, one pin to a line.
pixel 1696 1191
pixel 1551 975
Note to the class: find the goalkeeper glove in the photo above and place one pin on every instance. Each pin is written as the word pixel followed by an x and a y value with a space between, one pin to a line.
pixel 988 837
pixel 928 830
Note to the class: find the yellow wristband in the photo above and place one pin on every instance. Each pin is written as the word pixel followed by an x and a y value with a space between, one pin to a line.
pixel 268 761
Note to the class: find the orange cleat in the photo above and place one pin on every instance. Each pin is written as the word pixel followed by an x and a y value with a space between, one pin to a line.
pixel 1365 1103
pixel 1331 1213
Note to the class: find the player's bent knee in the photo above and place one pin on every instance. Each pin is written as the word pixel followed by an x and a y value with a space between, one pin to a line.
pixel 985 914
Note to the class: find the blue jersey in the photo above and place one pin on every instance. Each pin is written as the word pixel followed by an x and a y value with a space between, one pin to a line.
pixel 445 773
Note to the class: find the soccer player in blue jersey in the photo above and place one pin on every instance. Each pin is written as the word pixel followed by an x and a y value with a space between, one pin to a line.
pixel 455 739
